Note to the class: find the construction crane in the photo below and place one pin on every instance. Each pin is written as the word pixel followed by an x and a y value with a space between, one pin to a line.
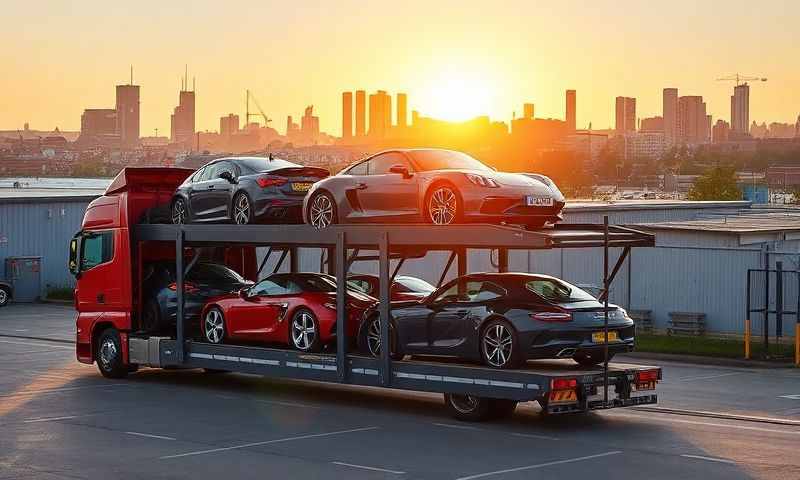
pixel 247 114
pixel 739 79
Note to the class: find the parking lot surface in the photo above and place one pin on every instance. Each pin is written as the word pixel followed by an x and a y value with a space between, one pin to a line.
pixel 61 419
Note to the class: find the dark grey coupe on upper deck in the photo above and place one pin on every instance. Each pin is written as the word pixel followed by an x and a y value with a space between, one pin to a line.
pixel 433 186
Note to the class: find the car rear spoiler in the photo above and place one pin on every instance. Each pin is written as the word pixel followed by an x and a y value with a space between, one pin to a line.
pixel 151 177
pixel 300 172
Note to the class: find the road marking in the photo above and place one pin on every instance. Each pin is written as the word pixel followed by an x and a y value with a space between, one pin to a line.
pixel 58 390
pixel 722 425
pixel 538 437
pixel 791 397
pixel 460 427
pixel 710 459
pixel 541 465
pixel 364 467
pixel 272 402
pixel 149 435
pixel 20 329
pixel 279 440
pixel 30 344
pixel 708 377
pixel 722 415
pixel 49 419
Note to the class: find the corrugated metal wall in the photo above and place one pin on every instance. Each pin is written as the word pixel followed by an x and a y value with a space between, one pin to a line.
pixel 41 229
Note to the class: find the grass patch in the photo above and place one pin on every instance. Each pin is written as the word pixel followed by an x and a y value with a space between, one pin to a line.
pixel 60 293
pixel 709 346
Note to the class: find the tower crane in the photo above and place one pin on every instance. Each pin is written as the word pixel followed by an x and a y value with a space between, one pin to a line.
pixel 261 110
pixel 739 79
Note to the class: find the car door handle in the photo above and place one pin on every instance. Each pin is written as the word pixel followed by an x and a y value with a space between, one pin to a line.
pixel 361 186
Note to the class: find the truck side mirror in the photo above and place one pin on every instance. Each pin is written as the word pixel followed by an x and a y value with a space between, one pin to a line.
pixel 74 256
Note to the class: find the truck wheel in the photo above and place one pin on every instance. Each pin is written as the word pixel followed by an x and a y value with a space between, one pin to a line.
pixel 109 355
pixel 468 408
pixel 5 296
pixel 501 408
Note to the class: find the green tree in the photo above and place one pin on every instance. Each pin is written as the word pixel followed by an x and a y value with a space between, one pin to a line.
pixel 718 183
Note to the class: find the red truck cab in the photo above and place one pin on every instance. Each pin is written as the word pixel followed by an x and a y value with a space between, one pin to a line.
pixel 106 262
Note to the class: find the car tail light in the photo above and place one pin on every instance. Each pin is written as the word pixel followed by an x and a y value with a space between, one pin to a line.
pixel 563 383
pixel 647 376
pixel 481 181
pixel 265 181
pixel 552 316
pixel 188 287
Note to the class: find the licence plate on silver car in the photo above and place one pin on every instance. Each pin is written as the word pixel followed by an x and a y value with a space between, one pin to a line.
pixel 534 201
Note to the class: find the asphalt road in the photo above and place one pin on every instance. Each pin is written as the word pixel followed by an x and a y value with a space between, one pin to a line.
pixel 61 419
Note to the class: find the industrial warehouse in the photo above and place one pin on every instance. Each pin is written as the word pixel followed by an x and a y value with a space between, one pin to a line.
pixel 698 245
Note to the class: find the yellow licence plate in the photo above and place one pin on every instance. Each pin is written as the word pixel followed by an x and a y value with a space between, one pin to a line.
pixel 301 186
pixel 600 337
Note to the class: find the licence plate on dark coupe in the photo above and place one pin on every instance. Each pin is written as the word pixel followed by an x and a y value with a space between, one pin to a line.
pixel 301 186
pixel 600 337
pixel 534 201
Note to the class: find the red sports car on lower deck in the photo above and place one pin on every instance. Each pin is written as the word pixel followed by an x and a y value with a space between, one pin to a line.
pixel 297 309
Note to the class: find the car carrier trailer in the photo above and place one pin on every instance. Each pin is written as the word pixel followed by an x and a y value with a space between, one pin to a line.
pixel 472 392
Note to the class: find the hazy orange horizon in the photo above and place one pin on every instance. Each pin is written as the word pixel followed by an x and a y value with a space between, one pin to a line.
pixel 454 59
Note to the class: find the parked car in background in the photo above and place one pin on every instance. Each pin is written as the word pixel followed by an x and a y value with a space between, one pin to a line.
pixel 245 190
pixel 503 320
pixel 295 309
pixel 441 187
pixel 404 287
pixel 203 281
pixel 5 293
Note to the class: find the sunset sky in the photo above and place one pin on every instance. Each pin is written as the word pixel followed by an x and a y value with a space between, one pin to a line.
pixel 455 59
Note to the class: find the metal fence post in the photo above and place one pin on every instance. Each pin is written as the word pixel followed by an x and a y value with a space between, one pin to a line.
pixel 747 325
pixel 341 306
pixel 605 310
pixel 179 333
pixel 385 322
pixel 778 300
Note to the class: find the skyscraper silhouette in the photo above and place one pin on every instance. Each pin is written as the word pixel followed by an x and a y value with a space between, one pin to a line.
pixel 571 110
pixel 347 115
pixel 670 114
pixel 361 113
pixel 128 114
pixel 402 112
pixel 625 115
pixel 740 109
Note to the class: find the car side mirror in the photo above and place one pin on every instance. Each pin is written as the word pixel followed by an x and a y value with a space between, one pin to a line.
pixel 244 293
pixel 401 169
pixel 227 176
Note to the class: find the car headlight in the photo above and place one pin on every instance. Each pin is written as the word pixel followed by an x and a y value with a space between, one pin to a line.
pixel 481 181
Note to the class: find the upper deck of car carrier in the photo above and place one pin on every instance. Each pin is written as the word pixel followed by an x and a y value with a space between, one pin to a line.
pixel 532 382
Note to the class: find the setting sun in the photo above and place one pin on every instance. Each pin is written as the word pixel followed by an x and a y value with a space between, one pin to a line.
pixel 456 94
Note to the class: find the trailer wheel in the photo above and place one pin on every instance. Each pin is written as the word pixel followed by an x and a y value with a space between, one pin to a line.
pixel 108 355
pixel 468 408
pixel 501 408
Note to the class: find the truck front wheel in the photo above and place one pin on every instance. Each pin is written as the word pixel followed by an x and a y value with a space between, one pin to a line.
pixel 468 408
pixel 108 355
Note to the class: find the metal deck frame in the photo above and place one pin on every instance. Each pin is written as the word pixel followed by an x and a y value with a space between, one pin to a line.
pixel 396 242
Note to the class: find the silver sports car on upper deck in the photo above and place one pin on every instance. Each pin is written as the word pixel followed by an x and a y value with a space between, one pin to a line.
pixel 435 186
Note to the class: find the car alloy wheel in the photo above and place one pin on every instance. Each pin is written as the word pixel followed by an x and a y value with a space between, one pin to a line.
pixel 443 206
pixel 214 326
pixel 374 337
pixel 498 345
pixel 241 210
pixel 3 297
pixel 178 212
pixel 321 213
pixel 304 331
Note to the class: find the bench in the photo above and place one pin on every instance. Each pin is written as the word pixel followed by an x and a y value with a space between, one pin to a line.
pixel 687 323
pixel 642 320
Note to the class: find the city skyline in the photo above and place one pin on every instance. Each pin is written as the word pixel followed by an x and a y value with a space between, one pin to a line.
pixel 492 63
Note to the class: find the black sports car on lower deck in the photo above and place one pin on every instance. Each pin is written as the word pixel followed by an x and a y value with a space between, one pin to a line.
pixel 245 190
pixel 502 320
pixel 435 186
pixel 204 280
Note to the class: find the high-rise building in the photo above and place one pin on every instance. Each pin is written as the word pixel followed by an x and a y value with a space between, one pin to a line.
pixel 361 113
pixel 292 128
pixel 128 114
pixel 183 117
pixel 740 109
pixel 402 112
pixel 693 126
pixel 652 124
pixel 527 110
pixel 720 131
pixel 625 115
pixel 571 110
pixel 347 115
pixel 670 114
pixel 98 122
pixel 380 113
pixel 309 125
pixel 797 127
pixel 228 125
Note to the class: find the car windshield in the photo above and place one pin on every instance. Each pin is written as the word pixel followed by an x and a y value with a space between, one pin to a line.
pixel 428 160
pixel 413 284
pixel 261 164
pixel 213 273
pixel 558 291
